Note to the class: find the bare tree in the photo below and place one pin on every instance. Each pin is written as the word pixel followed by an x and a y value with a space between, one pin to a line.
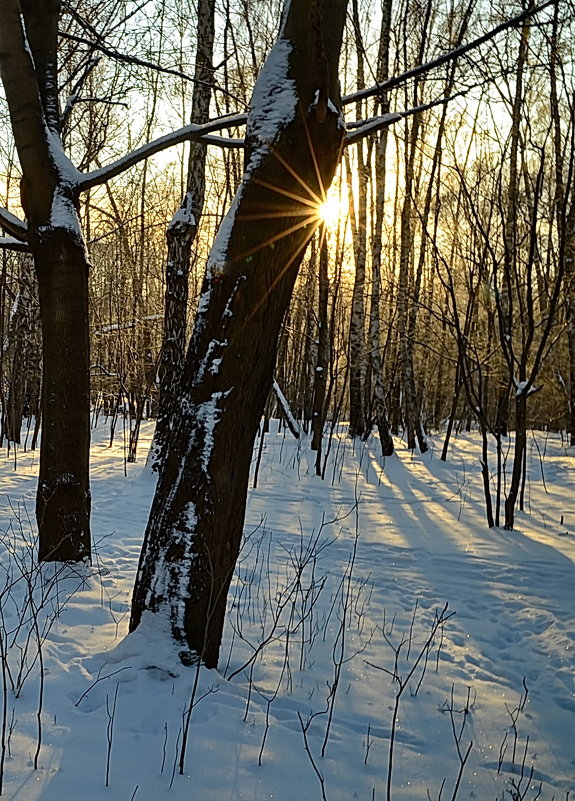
pixel 293 146
pixel 181 234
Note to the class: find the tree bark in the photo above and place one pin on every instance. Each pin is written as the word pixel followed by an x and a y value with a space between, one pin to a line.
pixel 28 66
pixel 294 141
pixel 322 363
pixel 379 405
pixel 63 496
pixel 180 236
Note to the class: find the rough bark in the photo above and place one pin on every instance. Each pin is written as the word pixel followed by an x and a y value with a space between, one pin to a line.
pixel 180 236
pixel 24 355
pixel 194 532
pixel 357 344
pixel 28 66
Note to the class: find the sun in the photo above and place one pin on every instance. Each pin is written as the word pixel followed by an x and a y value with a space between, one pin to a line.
pixel 332 210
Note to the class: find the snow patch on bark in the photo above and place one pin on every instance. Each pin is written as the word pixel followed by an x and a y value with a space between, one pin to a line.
pixel 208 416
pixel 63 212
pixel 274 100
pixel 272 107
pixel 184 218
pixel 218 258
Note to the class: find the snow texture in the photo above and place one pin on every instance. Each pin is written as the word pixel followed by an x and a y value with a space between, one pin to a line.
pixel 274 99
pixel 184 217
pixel 339 573
pixel 208 416
pixel 272 107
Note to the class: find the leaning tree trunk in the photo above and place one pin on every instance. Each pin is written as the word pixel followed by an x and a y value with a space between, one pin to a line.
pixel 294 140
pixel 28 66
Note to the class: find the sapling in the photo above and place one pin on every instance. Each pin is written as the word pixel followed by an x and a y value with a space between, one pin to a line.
pixel 403 682
pixel 304 730
pixel 111 714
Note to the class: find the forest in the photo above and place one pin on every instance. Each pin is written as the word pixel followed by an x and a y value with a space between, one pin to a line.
pixel 330 239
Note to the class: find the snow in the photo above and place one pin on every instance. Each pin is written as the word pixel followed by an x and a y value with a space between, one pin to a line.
pixel 339 585
pixel 218 257
pixel 274 98
pixel 208 416
pixel 272 107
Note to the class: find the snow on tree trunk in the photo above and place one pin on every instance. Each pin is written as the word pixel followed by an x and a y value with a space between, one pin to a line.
pixel 181 234
pixel 294 139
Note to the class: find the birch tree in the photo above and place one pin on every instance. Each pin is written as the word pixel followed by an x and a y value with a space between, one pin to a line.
pixel 181 234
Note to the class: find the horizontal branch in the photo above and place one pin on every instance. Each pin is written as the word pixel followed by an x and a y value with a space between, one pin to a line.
pixel 13 225
pixel 364 128
pixel 422 69
pixel 196 133
pixel 140 62
pixel 9 243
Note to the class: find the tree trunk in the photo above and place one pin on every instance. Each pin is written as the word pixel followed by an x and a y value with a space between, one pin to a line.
pixel 63 496
pixel 358 212
pixel 294 140
pixel 518 460
pixel 322 363
pixel 28 65
pixel 180 235
pixel 379 405
pixel 24 352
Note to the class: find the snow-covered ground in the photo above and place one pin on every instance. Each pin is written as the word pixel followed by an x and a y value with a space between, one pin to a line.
pixel 341 615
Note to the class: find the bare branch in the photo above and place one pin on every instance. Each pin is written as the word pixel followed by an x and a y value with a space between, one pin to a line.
pixel 140 62
pixel 370 126
pixel 187 133
pixel 422 69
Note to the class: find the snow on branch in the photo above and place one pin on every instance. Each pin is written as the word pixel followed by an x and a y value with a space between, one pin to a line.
pixel 293 424
pixel 13 225
pixel 362 128
pixel 192 132
pixel 451 55
pixel 9 243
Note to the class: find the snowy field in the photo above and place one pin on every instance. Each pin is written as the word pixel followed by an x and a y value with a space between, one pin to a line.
pixel 377 595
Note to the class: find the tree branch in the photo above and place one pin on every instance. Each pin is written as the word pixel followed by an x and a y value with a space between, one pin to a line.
pixel 422 69
pixel 9 243
pixel 366 127
pixel 13 225
pixel 140 62
pixel 199 133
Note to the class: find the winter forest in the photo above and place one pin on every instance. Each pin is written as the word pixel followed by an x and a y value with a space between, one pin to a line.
pixel 287 400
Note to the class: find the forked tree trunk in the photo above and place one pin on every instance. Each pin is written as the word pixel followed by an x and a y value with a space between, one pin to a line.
pixel 294 140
